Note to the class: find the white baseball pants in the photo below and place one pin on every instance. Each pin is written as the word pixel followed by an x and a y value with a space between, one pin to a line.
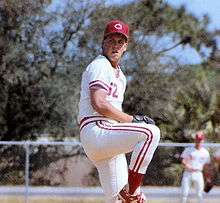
pixel 187 180
pixel 106 142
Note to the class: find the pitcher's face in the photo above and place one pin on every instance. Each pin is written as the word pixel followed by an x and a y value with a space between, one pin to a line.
pixel 114 46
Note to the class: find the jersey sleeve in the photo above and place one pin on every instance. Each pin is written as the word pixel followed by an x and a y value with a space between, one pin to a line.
pixel 185 153
pixel 98 77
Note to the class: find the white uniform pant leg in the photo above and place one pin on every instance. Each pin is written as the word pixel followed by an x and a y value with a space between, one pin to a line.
pixel 103 141
pixel 113 175
pixel 185 186
pixel 143 151
pixel 199 185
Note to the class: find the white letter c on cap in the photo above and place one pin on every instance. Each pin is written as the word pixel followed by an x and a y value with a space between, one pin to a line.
pixel 118 26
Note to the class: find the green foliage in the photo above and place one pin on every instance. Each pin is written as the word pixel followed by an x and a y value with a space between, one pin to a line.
pixel 165 168
pixel 41 70
pixel 194 104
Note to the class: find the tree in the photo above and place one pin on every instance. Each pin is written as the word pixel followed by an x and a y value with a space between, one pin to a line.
pixel 41 68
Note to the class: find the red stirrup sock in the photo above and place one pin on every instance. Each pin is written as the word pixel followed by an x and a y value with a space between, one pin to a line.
pixel 134 180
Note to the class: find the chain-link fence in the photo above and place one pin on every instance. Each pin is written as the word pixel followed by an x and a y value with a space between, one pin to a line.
pixel 61 168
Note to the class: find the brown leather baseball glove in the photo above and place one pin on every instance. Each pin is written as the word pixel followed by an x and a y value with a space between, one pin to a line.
pixel 208 186
pixel 208 174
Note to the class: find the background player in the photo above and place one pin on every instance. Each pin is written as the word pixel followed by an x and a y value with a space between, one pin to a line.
pixel 106 132
pixel 194 160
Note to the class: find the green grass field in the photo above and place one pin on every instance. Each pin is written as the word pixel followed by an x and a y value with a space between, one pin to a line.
pixel 83 200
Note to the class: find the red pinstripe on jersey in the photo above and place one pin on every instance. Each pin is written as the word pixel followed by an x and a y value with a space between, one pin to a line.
pixel 99 83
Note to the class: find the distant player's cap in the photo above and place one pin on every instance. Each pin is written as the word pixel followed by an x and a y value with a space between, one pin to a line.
pixel 116 26
pixel 199 136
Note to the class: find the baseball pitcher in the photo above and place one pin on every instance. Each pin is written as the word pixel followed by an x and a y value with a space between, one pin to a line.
pixel 106 132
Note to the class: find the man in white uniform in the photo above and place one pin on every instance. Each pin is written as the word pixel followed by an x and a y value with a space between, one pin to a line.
pixel 106 132
pixel 194 160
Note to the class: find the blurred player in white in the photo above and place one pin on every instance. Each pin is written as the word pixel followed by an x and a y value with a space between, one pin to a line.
pixel 106 132
pixel 194 160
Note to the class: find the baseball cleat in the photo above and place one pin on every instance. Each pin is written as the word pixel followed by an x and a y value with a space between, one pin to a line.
pixel 126 197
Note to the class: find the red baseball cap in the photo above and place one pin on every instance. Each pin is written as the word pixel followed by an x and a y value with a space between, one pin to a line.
pixel 116 26
pixel 200 136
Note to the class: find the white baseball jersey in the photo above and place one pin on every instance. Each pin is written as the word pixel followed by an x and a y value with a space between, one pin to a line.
pixel 100 74
pixel 197 158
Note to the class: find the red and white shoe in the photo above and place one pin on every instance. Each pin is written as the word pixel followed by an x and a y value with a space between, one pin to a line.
pixel 126 197
pixel 143 198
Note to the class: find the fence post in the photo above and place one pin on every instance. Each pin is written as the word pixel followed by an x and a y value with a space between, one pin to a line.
pixel 27 166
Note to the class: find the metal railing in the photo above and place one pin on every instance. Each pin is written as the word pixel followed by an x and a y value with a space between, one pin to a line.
pixel 26 145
